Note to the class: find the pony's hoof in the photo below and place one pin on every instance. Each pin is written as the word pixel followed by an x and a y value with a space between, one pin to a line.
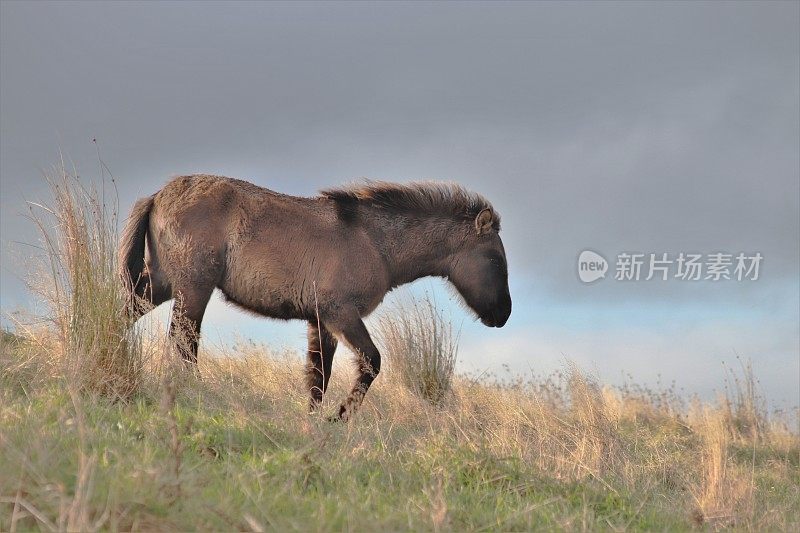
pixel 342 416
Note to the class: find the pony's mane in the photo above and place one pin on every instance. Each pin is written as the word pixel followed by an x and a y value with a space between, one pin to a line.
pixel 423 197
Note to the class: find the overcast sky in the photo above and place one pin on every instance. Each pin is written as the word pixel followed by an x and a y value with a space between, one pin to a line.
pixel 653 128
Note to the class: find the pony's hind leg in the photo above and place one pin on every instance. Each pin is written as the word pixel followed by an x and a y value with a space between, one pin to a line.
pixel 321 347
pixel 187 316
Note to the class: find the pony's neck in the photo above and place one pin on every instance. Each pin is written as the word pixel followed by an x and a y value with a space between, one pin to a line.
pixel 415 246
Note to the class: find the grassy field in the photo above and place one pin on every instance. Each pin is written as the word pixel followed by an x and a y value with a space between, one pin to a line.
pixel 101 430
pixel 234 449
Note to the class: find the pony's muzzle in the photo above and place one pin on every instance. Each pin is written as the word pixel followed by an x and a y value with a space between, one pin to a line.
pixel 497 318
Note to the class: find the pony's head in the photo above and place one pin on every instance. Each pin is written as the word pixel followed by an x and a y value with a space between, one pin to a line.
pixel 479 271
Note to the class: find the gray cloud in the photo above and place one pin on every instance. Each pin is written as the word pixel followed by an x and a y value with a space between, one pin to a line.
pixel 654 127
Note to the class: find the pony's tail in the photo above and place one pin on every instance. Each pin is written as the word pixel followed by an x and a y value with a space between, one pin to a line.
pixel 131 245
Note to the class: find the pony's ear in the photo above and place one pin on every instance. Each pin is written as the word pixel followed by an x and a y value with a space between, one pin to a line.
pixel 484 221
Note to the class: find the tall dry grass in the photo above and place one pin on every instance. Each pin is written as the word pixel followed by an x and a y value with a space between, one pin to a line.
pixel 724 491
pixel 420 347
pixel 744 405
pixel 78 280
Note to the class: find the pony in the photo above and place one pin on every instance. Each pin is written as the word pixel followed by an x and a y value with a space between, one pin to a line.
pixel 328 260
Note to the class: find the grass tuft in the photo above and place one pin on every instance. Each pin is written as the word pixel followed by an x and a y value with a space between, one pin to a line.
pixel 420 347
pixel 79 283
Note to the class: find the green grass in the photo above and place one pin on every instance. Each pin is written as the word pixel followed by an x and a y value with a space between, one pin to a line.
pixel 248 456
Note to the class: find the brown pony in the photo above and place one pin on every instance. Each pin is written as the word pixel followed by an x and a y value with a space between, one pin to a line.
pixel 328 260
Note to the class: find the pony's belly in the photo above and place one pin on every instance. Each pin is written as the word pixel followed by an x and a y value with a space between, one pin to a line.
pixel 253 286
pixel 265 306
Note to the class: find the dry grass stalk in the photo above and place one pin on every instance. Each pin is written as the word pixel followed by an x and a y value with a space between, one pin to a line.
pixel 743 404
pixel 725 492
pixel 172 487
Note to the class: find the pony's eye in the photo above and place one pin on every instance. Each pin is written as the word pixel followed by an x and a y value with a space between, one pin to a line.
pixel 497 262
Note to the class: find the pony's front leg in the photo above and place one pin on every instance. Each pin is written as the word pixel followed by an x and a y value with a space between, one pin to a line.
pixel 368 359
pixel 321 347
